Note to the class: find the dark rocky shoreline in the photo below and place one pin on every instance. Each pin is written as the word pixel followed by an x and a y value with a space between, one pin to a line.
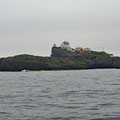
pixel 60 60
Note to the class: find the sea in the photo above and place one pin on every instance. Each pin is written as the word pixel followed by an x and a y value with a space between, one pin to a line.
pixel 60 95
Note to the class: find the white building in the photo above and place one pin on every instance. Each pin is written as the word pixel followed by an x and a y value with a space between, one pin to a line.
pixel 71 49
pixel 78 49
pixel 87 50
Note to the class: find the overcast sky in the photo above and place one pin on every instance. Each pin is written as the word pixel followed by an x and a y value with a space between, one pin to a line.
pixel 33 26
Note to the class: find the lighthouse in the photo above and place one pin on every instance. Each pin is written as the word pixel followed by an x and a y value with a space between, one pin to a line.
pixel 54 46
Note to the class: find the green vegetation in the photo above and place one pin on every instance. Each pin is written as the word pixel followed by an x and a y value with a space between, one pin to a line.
pixel 60 60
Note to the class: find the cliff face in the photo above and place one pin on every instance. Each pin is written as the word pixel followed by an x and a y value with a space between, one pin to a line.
pixel 60 59
pixel 91 60
pixel 58 52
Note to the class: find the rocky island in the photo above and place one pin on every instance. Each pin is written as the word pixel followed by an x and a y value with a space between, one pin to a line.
pixel 62 58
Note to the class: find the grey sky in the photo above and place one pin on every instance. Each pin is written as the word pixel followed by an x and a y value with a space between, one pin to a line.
pixel 33 26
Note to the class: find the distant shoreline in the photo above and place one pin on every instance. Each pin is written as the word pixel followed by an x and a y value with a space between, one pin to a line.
pixel 67 70
pixel 60 60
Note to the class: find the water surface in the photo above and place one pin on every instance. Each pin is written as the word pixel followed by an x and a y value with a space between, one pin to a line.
pixel 60 95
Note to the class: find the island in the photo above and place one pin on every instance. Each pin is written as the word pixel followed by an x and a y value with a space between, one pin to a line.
pixel 62 57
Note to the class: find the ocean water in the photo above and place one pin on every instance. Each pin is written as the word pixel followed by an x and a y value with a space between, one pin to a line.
pixel 60 95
